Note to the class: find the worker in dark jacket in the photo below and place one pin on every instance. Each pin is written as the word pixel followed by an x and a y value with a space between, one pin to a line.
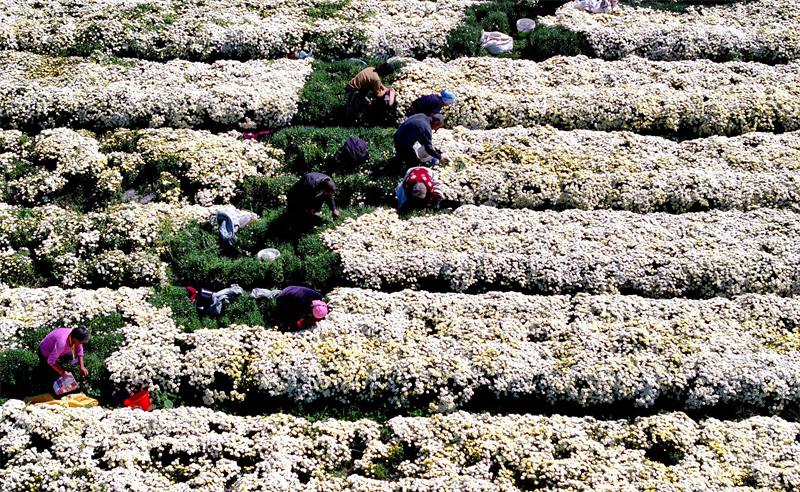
pixel 306 198
pixel 417 128
pixel 433 103
pixel 299 307
pixel 367 82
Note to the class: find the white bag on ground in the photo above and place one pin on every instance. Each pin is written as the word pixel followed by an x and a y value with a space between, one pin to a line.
pixel 422 154
pixel 230 221
pixel 496 42
pixel 265 293
pixel 597 6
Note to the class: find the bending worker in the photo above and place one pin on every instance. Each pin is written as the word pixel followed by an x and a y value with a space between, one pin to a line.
pixel 367 81
pixel 306 198
pixel 299 307
pixel 419 190
pixel 417 128
pixel 63 341
pixel 433 103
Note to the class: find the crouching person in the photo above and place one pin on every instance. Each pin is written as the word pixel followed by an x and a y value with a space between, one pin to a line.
pixel 306 198
pixel 367 82
pixel 299 308
pixel 416 130
pixel 419 190
pixel 63 341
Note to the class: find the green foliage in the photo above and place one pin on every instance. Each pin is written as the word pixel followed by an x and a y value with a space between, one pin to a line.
pixel 159 399
pixel 141 9
pixel 464 40
pixel 91 40
pixel 501 16
pixel 16 368
pixel 260 193
pixel 326 10
pixel 380 472
pixel 681 7
pixel 199 259
pixel 545 42
pixel 496 21
pixel 322 97
pixel 310 149
pixel 251 312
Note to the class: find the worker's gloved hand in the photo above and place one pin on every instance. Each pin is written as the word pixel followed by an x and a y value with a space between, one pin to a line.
pixel 434 161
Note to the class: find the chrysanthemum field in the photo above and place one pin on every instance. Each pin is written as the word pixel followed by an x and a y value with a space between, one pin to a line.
pixel 613 303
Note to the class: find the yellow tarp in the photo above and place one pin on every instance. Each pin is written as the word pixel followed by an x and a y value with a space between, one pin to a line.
pixel 75 400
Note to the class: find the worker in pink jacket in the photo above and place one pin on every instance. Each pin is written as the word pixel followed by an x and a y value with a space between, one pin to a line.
pixel 63 341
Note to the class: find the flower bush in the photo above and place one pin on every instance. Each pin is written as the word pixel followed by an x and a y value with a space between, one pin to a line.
pixel 207 167
pixel 544 168
pixel 26 309
pixel 213 165
pixel 686 99
pixel 752 31
pixel 197 449
pixel 38 91
pixel 203 30
pixel 56 161
pixel 654 255
pixel 436 351
pixel 119 246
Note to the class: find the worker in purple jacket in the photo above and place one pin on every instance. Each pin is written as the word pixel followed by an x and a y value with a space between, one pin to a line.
pixel 299 307
pixel 433 103
pixel 63 341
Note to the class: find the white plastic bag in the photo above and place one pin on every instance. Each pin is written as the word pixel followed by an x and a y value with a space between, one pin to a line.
pixel 597 6
pixel 422 154
pixel 496 42
pixel 268 254
pixel 65 384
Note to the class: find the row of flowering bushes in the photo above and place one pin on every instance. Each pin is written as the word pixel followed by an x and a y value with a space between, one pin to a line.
pixel 39 91
pixel 197 449
pixel 170 164
pixel 232 29
pixel 26 309
pixel 685 98
pixel 762 30
pixel 544 168
pixel 437 351
pixel 119 246
pixel 702 254
pixel 537 167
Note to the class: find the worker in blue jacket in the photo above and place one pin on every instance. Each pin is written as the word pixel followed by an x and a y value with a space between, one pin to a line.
pixel 433 103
